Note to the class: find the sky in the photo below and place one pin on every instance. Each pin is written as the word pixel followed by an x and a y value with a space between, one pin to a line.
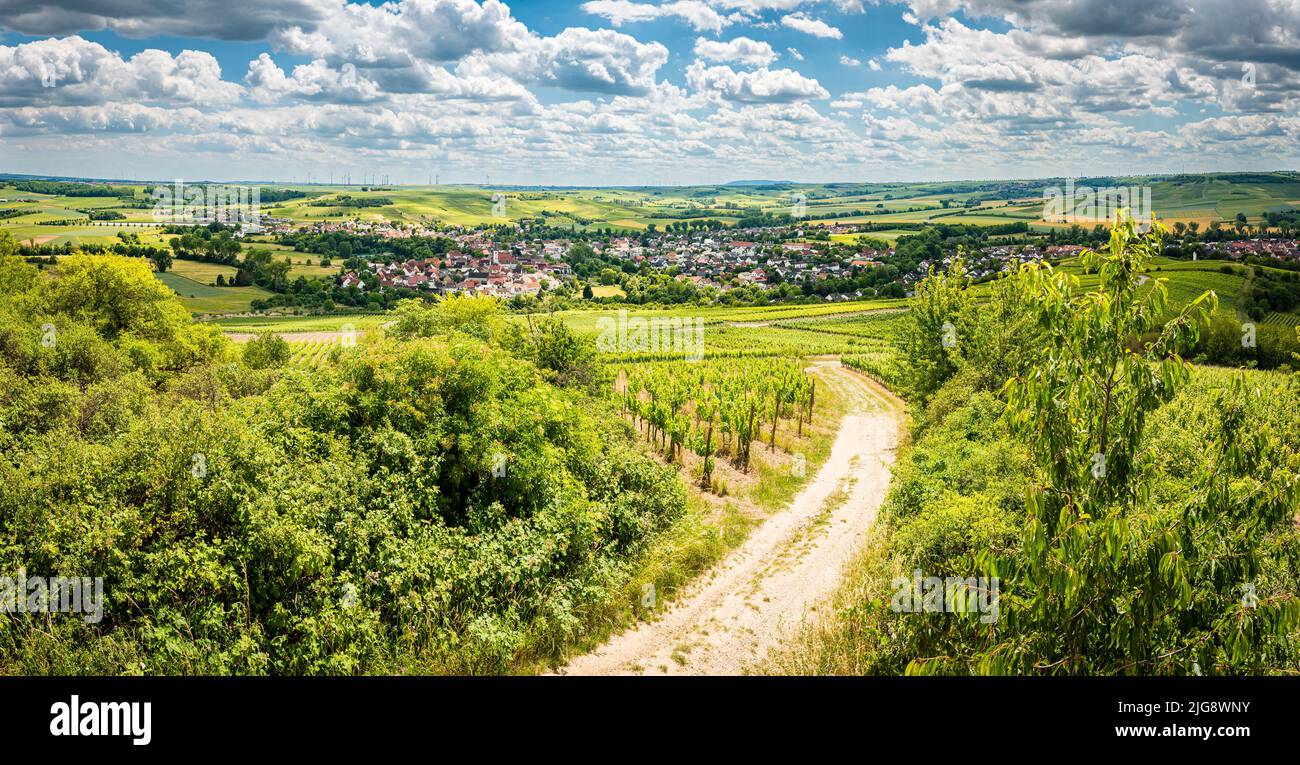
pixel 632 92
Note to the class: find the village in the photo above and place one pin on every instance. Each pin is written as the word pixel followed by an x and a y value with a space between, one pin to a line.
pixel 498 272
pixel 480 266
pixel 761 257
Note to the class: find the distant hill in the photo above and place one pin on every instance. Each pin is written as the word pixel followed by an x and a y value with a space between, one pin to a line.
pixel 758 183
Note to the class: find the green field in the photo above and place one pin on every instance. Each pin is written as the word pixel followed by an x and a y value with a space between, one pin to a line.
pixel 330 323
pixel 199 298
pixel 203 273
pixel 889 235
pixel 206 273
pixel 1283 319
pixel 1186 280
pixel 24 231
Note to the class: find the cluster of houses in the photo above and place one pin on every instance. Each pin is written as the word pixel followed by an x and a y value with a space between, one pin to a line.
pixel 499 272
pixel 1004 257
pixel 748 257
pixel 1283 249
pixel 705 259
pixel 712 260
pixel 480 266
pixel 717 261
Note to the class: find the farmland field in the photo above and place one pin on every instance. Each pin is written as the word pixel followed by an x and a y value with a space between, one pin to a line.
pixel 607 290
pixel 330 323
pixel 203 273
pixel 1186 280
pixel 199 298
pixel 588 320
pixel 1283 319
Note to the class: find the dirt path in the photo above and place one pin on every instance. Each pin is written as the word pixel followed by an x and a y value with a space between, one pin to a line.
pixel 780 575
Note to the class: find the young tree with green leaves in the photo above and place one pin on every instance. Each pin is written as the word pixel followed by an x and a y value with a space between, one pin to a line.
pixel 930 339
pixel 1107 581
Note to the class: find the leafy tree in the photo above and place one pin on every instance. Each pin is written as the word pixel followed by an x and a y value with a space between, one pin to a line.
pixel 554 347
pixel 478 316
pixel 267 350
pixel 930 339
pixel 999 341
pixel 162 260
pixel 118 296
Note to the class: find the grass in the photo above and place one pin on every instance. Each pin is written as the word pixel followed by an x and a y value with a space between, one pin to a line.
pixel 889 235
pixel 300 268
pixel 607 290
pixel 199 298
pixel 590 320
pixel 312 323
pixel 203 273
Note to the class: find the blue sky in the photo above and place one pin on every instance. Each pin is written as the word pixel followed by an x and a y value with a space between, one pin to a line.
pixel 633 91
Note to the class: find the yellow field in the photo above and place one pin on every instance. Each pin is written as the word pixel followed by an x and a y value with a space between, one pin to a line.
pixel 607 290
pixel 203 273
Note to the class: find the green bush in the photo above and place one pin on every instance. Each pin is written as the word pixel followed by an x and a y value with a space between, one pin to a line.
pixel 266 351
pixel 433 505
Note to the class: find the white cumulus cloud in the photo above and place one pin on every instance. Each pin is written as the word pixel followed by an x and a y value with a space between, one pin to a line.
pixel 801 22
pixel 741 49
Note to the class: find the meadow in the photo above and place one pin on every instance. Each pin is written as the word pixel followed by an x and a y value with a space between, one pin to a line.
pixel 589 320
pixel 1186 279
pixel 200 298
pixel 311 323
